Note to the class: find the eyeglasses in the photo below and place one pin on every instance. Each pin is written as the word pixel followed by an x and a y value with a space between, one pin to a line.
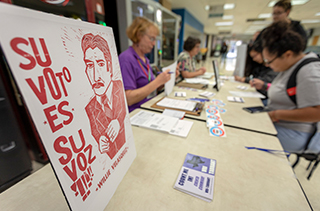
pixel 269 62
pixel 152 39
pixel 277 13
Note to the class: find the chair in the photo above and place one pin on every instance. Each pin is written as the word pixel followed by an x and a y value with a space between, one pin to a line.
pixel 313 158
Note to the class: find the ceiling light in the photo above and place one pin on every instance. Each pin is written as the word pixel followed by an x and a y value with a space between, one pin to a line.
pixel 226 17
pixel 224 28
pixel 310 21
pixel 265 15
pixel 318 14
pixel 224 23
pixel 299 2
pixel 207 7
pixel 293 2
pixel 228 6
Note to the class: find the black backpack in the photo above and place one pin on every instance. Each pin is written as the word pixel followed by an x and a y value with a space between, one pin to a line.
pixel 291 91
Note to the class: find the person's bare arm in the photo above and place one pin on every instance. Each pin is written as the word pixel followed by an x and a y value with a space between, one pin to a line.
pixel 308 114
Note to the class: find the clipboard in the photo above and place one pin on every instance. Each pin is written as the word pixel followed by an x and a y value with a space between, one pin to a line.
pixel 195 86
pixel 196 112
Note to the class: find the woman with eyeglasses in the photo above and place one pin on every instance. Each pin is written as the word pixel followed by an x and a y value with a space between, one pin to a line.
pixel 186 58
pixel 259 75
pixel 283 52
pixel 139 82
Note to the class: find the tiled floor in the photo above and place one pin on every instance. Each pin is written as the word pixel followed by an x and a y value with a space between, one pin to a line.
pixel 311 187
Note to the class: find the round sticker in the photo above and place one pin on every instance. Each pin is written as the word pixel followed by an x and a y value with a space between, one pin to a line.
pixel 222 110
pixel 212 111
pixel 213 117
pixel 216 131
pixel 213 107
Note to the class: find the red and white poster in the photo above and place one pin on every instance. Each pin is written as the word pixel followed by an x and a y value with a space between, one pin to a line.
pixel 69 76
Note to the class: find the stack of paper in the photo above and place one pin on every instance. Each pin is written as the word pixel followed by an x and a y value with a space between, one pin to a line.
pixel 160 122
pixel 196 81
pixel 196 177
pixel 178 104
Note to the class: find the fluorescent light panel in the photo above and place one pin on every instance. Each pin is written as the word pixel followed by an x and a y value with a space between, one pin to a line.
pixel 228 6
pixel 265 15
pixel 318 14
pixel 227 17
pixel 310 21
pixel 230 23
pixel 207 7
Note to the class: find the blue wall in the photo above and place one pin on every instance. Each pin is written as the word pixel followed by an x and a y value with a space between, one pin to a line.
pixel 187 18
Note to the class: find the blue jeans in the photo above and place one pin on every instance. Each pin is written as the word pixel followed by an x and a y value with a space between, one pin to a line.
pixel 292 140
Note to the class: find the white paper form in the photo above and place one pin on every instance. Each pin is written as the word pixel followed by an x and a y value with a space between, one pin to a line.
pixel 154 121
pixel 235 99
pixel 174 113
pixel 178 104
pixel 206 75
pixel 247 94
pixel 182 128
pixel 168 87
pixel 197 81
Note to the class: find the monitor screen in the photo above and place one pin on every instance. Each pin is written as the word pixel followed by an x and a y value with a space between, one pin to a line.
pixel 216 74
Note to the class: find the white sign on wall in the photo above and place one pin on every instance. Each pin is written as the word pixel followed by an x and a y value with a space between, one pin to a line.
pixel 69 76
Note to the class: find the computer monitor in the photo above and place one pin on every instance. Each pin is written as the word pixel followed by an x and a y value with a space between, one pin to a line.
pixel 241 60
pixel 216 74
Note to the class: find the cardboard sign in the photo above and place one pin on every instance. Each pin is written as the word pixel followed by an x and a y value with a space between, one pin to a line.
pixel 69 76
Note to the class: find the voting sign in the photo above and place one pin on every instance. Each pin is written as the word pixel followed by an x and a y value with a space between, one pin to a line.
pixel 69 76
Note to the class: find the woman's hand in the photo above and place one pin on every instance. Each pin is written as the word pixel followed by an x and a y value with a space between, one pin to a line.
pixel 163 77
pixel 257 83
pixel 240 79
pixel 201 70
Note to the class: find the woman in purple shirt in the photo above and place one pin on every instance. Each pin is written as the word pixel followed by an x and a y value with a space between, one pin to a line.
pixel 139 82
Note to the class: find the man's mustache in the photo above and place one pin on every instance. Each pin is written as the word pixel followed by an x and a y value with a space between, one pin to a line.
pixel 97 85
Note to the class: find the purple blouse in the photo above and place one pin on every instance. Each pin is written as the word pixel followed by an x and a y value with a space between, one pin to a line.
pixel 132 74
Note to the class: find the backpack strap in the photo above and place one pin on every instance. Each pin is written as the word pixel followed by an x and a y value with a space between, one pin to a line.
pixel 292 82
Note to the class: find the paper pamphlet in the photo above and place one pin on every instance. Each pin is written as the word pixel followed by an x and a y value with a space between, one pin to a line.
pixel 174 113
pixel 235 99
pixel 83 125
pixel 168 87
pixel 247 94
pixel 242 87
pixel 182 128
pixel 197 81
pixel 178 104
pixel 156 121
pixel 207 94
pixel 180 94
pixel 196 177
pixel 206 75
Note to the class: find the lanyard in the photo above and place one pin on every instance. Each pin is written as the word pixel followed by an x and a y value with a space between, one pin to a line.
pixel 272 151
pixel 149 73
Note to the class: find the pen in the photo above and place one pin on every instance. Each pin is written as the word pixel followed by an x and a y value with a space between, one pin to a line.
pixel 251 77
pixel 162 72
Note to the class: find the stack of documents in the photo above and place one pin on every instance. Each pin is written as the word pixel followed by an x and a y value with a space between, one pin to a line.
pixel 196 177
pixel 163 123
pixel 177 104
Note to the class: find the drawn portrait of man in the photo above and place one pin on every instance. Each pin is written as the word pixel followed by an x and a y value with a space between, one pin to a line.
pixel 106 110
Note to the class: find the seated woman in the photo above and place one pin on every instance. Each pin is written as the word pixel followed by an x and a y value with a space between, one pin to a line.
pixel 139 82
pixel 283 52
pixel 260 76
pixel 186 59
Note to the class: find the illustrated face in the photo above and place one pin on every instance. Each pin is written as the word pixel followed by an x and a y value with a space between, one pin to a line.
pixel 98 70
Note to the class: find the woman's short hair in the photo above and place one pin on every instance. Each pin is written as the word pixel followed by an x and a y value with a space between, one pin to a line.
pixel 285 4
pixel 190 43
pixel 279 38
pixel 138 27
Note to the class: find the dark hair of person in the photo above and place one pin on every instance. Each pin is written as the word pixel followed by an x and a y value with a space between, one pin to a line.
pixel 256 46
pixel 279 38
pixel 190 43
pixel 285 4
